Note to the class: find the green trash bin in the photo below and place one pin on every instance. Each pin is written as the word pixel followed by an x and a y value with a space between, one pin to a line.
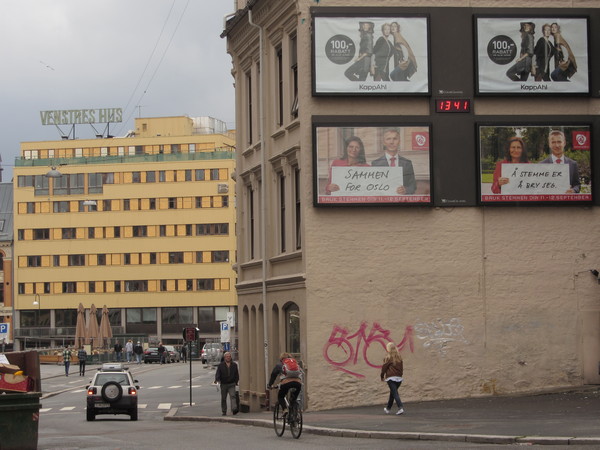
pixel 19 418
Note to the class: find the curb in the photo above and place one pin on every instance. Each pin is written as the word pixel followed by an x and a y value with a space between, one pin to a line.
pixel 340 432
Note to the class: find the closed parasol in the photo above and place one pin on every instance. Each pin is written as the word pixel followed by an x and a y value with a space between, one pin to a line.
pixel 91 336
pixel 105 329
pixel 80 327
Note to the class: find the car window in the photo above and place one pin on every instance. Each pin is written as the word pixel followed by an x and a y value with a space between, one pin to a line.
pixel 104 378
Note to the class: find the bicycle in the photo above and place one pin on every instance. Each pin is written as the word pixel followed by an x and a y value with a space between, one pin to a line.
pixel 293 417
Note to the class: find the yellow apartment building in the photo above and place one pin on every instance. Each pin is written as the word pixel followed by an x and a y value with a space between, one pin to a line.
pixel 143 224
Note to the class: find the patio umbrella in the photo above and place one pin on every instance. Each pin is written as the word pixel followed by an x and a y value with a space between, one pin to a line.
pixel 91 337
pixel 105 332
pixel 80 327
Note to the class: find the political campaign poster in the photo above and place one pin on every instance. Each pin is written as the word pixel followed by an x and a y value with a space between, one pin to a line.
pixel 532 55
pixel 535 163
pixel 365 164
pixel 371 55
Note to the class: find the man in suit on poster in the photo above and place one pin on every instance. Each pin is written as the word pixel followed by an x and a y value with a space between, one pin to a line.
pixel 557 142
pixel 391 145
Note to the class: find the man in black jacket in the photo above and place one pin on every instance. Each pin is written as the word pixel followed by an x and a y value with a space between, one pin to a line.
pixel 228 376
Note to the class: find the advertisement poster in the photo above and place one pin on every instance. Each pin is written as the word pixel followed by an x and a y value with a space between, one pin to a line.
pixel 372 164
pixel 535 163
pixel 370 55
pixel 532 55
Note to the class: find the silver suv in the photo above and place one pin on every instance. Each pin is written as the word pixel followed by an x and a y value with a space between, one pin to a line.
pixel 112 391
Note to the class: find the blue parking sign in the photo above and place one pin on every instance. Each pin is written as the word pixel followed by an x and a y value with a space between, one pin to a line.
pixel 4 328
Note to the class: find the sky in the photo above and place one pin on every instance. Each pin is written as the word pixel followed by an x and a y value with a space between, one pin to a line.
pixel 152 58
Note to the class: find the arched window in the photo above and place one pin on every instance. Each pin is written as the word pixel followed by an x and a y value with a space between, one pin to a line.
pixel 292 328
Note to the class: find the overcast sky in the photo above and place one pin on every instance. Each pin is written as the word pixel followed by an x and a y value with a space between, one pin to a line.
pixel 91 54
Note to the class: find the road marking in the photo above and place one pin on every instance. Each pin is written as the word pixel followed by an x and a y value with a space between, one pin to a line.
pixel 173 387
pixel 155 387
pixel 164 406
pixel 68 408
pixel 45 409
pixel 143 406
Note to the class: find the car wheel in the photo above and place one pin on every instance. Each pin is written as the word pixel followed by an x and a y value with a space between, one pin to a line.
pixel 133 413
pixel 112 392
pixel 90 414
pixel 146 362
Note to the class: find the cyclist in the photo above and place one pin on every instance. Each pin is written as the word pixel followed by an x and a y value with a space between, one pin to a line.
pixel 289 379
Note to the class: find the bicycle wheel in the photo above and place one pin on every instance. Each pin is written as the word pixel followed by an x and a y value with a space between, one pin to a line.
pixel 278 420
pixel 296 421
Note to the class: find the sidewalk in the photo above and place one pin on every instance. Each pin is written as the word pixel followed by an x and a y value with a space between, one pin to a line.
pixel 557 418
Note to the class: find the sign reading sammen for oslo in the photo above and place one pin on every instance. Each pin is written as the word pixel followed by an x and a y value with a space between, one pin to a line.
pixel 366 181
pixel 81 116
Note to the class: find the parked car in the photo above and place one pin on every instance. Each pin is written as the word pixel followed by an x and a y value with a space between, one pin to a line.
pixel 173 354
pixel 151 355
pixel 212 353
pixel 112 391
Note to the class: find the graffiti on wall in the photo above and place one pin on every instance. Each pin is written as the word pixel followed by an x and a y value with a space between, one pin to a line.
pixel 344 350
pixel 438 334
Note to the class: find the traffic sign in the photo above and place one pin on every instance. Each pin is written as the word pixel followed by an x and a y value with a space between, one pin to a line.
pixel 4 328
pixel 225 332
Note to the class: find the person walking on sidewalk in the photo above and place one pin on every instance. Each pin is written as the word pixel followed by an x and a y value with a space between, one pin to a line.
pixel 67 359
pixel 391 372
pixel 118 351
pixel 228 376
pixel 138 350
pixel 82 356
pixel 129 350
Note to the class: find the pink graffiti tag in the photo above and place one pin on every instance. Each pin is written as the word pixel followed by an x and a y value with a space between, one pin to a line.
pixel 340 340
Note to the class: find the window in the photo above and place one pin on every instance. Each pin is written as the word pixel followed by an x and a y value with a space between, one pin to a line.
pixel 162 230
pixel 175 148
pixel 292 328
pixel 41 234
pixel 126 204
pixel 189 285
pixel 117 232
pixel 139 149
pixel 205 229
pixel 140 231
pixel 69 287
pixel 224 201
pixel 108 178
pixel 106 205
pixel 298 210
pixel 162 177
pixel 91 232
pixel 279 96
pixel 294 70
pixel 175 257
pixel 117 286
pixel 30 207
pixel 199 174
pixel 163 285
pixel 281 212
pixel 188 230
pixel 153 258
pixel 95 183
pixel 141 315
pixel 92 287
pixel 220 256
pixel 61 207
pixel 188 175
pixel 76 260
pixel 34 261
pixel 42 185
pixel 56 260
pixel 251 222
pixel 151 177
pixel 69 233
pixel 46 287
pixel 69 184
pixel 136 286
pixel 101 259
pixel 205 284
pixel 152 203
pixel 127 259
pixel 65 317
pixel 136 177
pixel 25 181
pixel 214 174
pixel 21 234
pixel 192 148
pixel 199 257
pixel 249 107
pixel 172 203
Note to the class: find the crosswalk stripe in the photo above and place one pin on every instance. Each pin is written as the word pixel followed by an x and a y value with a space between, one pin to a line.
pixel 45 409
pixel 164 406
pixel 68 408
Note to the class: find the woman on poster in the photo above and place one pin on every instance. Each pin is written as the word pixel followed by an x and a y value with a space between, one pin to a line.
pixel 382 52
pixel 353 155
pixel 564 62
pixel 544 51
pixel 405 62
pixel 522 68
pixel 515 153
pixel 361 67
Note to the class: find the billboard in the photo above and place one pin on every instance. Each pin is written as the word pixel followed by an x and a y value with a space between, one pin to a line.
pixel 371 55
pixel 359 163
pixel 535 163
pixel 532 55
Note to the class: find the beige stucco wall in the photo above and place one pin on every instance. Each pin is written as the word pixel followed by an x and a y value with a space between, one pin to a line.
pixel 484 300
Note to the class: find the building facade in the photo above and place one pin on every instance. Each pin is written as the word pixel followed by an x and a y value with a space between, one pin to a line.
pixel 144 225
pixel 6 259
pixel 481 300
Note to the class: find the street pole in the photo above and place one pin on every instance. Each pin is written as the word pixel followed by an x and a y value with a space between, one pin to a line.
pixel 190 358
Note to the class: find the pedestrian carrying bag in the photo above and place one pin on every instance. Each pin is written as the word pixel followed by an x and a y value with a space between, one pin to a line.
pixel 290 368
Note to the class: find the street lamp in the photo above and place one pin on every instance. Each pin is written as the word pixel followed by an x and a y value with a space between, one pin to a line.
pixel 36 301
pixel 53 173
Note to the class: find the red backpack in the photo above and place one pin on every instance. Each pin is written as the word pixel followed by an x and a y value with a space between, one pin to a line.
pixel 290 368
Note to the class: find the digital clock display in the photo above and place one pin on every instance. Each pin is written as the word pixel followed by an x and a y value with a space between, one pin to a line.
pixel 458 105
